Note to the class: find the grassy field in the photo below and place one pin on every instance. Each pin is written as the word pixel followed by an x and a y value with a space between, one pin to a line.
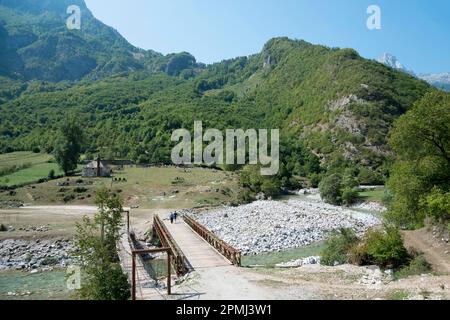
pixel 39 167
pixel 269 260
pixel 19 158
pixel 373 195
pixel 150 188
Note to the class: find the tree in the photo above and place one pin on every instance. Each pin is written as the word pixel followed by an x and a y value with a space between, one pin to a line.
pixel 421 140
pixel 96 239
pixel 331 189
pixel 437 205
pixel 69 145
pixel 385 247
pixel 337 247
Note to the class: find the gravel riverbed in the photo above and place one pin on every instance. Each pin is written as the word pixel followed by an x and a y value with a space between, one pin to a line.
pixel 268 226
pixel 34 254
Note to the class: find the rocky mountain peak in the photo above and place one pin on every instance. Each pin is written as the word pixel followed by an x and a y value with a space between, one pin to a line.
pixel 392 61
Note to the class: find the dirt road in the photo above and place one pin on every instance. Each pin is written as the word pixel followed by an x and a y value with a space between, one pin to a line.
pixel 434 250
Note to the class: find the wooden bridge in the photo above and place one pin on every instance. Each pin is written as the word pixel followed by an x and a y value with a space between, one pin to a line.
pixel 190 247
pixel 193 246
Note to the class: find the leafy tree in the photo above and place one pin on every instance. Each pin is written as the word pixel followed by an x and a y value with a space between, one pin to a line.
pixel 96 239
pixel 421 140
pixel 386 248
pixel 69 145
pixel 337 247
pixel 331 189
pixel 437 205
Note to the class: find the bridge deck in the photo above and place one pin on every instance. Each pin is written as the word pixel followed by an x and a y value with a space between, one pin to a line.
pixel 198 252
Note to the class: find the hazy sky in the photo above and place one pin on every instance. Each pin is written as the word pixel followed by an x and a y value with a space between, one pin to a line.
pixel 416 31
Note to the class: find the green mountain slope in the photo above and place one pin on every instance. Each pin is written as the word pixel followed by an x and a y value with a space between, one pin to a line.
pixel 36 44
pixel 338 102
pixel 341 105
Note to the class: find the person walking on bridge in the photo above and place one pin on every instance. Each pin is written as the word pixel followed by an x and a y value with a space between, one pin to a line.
pixel 171 218
pixel 175 216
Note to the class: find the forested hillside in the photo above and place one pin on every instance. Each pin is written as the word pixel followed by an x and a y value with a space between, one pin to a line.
pixel 337 104
pixel 36 44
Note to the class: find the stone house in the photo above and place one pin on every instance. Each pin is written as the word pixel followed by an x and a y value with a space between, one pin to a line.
pixel 96 168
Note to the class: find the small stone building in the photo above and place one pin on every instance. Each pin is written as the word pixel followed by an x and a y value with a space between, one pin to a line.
pixel 96 168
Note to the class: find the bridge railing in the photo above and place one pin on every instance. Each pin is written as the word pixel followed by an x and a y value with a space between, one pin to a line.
pixel 178 260
pixel 232 254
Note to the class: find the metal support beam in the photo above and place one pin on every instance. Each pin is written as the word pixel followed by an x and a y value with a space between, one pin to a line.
pixel 133 276
pixel 134 253
pixel 128 222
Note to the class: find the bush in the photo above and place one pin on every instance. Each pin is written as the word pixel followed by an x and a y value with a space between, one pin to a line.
pixel 36 150
pixel 338 246
pixel 437 205
pixel 3 228
pixel 80 190
pixel 349 196
pixel 178 181
pixel 49 261
pixel 270 188
pixel 385 248
pixel 418 265
pixel 358 254
pixel 51 174
pixel 314 179
pixel 246 196
pixel 331 189
pixel 368 177
pixel 68 198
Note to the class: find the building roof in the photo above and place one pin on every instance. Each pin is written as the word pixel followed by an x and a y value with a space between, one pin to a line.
pixel 93 165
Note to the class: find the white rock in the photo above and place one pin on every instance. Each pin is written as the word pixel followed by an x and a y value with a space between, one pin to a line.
pixel 282 225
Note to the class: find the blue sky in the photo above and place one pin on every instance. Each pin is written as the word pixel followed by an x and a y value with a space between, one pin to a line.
pixel 416 31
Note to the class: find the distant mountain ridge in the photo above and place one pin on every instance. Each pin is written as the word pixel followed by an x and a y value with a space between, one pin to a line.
pixel 36 44
pixel 438 80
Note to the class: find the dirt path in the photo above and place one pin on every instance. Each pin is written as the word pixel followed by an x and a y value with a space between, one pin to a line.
pixel 433 249
pixel 344 283
pixel 64 210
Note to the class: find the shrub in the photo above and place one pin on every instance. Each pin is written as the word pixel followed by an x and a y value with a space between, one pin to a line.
pixel 314 179
pixel 437 205
pixel 358 254
pixel 3 228
pixel 51 174
pixel 49 261
pixel 178 181
pixel 270 188
pixel 418 265
pixel 331 189
pixel 349 196
pixel 246 196
pixel 68 198
pixel 36 150
pixel 367 176
pixel 337 247
pixel 385 247
pixel 80 190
